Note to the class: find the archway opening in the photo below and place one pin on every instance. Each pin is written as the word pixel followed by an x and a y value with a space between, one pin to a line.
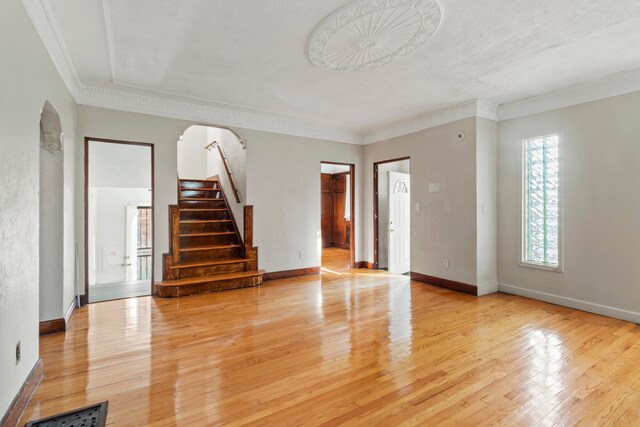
pixel 215 153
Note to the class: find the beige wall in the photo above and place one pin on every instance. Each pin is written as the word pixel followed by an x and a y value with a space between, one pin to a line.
pixel 445 228
pixel 163 134
pixel 283 179
pixel 283 184
pixel 600 161
pixel 27 79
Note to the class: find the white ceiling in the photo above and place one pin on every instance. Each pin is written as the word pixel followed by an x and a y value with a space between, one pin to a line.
pixel 253 54
pixel 333 168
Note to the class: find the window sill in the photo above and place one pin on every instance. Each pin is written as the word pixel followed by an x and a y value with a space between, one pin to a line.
pixel 544 267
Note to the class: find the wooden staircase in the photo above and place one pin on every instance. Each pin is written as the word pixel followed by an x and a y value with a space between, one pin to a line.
pixel 206 253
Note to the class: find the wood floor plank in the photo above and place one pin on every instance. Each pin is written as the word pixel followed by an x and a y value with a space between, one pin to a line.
pixel 350 347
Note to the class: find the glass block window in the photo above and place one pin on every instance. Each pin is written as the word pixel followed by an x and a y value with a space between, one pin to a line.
pixel 542 201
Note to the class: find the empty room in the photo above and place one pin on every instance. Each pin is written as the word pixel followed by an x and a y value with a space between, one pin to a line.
pixel 304 213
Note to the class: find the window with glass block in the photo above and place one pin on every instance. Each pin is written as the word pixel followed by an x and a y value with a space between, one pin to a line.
pixel 542 201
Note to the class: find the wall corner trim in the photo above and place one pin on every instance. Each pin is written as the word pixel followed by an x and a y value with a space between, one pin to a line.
pixel 445 283
pixel 20 402
pixel 577 304
pixel 487 288
pixel 365 264
pixel 55 326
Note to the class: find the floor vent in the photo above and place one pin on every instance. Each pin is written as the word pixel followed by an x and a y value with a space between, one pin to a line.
pixel 90 416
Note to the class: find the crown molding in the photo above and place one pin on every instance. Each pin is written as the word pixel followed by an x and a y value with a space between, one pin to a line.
pixel 618 84
pixel 40 13
pixel 154 103
pixel 450 114
pixel 210 113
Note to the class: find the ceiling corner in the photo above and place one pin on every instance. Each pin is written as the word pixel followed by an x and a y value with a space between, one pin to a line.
pixel 618 84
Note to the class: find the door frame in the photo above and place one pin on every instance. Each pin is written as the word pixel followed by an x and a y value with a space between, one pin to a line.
pixel 84 299
pixel 376 225
pixel 352 190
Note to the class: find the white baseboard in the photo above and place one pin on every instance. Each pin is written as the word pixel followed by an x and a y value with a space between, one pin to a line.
pixel 604 310
pixel 487 288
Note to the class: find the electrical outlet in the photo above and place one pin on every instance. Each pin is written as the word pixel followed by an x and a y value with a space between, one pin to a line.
pixel 301 254
pixel 18 353
pixel 446 263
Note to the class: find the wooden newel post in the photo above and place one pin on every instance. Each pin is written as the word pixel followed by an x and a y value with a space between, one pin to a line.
pixel 248 229
pixel 174 231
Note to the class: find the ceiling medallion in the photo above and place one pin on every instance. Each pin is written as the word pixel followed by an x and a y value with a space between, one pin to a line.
pixel 370 33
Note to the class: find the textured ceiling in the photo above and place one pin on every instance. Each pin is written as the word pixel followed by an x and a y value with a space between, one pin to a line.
pixel 254 54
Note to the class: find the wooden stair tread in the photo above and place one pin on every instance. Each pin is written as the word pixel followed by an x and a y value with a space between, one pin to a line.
pixel 201 199
pixel 207 263
pixel 213 233
pixel 212 278
pixel 209 247
pixel 199 221
pixel 198 180
pixel 203 209
pixel 201 189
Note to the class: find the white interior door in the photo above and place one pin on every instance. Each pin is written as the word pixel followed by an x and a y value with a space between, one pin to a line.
pixel 399 222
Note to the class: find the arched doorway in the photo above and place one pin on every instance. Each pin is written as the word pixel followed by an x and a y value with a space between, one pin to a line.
pixel 211 152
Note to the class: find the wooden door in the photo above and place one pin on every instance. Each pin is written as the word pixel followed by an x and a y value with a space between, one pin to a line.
pixel 326 206
pixel 340 234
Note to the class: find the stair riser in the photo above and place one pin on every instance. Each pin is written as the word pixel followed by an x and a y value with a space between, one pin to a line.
pixel 202 288
pixel 191 241
pixel 200 204
pixel 205 227
pixel 185 215
pixel 201 194
pixel 199 184
pixel 185 273
pixel 201 255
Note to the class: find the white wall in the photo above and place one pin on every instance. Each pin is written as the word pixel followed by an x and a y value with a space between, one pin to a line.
pixel 107 228
pixel 281 165
pixel 383 206
pixel 51 235
pixel 163 133
pixel 600 158
pixel 192 157
pixel 27 79
pixel 283 184
pixel 445 228
pixel 237 160
pixel 487 209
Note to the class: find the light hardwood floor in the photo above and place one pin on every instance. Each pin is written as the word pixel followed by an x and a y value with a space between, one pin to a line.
pixel 349 347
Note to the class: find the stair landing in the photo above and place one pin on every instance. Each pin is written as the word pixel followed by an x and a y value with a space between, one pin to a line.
pixel 205 284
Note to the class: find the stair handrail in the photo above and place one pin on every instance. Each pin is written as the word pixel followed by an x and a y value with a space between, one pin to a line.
pixel 215 144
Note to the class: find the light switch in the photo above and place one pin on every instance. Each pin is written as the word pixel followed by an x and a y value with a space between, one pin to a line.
pixel 417 207
pixel 434 187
